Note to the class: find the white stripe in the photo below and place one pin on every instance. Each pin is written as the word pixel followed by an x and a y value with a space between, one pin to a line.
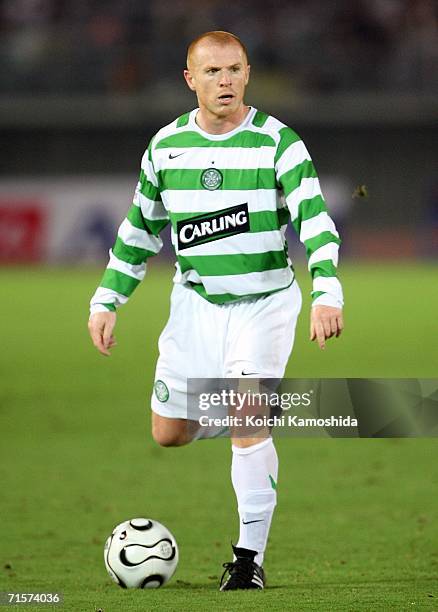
pixel 295 154
pixel 223 158
pixel 253 282
pixel 246 124
pixel 136 271
pixel 203 201
pixel 98 308
pixel 189 276
pixel 257 580
pixel 166 131
pixel 330 285
pixel 328 251
pixel 316 225
pixel 151 209
pixel 327 300
pixel 107 296
pixel 132 236
pixel 273 124
pixel 258 242
pixel 308 188
pixel 148 169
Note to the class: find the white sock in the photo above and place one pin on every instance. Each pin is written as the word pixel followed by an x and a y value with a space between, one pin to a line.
pixel 254 473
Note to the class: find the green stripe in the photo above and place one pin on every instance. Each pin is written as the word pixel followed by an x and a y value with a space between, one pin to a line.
pixel 148 189
pixel 312 244
pixel 183 120
pixel 225 298
pixel 156 226
pixel 135 217
pixel 291 179
pixel 260 119
pixel 311 207
pixel 110 306
pixel 153 227
pixel 131 254
pixel 261 178
pixel 287 137
pixel 262 221
pixel 117 281
pixel 283 216
pixel 268 220
pixel 222 265
pixel 324 268
pixel 316 294
pixel 245 139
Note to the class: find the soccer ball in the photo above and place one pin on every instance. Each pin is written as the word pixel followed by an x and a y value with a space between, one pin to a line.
pixel 141 553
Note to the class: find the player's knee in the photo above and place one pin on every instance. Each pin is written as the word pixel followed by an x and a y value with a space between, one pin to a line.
pixel 169 435
pixel 164 438
pixel 167 439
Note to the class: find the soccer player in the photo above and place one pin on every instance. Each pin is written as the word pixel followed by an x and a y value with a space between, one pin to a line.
pixel 228 178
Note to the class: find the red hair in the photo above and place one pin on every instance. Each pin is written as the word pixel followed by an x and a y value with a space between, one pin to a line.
pixel 219 37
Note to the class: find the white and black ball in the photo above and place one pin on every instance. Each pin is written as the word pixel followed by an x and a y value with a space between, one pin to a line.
pixel 141 553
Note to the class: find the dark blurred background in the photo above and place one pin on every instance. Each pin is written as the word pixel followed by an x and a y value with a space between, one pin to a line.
pixel 85 84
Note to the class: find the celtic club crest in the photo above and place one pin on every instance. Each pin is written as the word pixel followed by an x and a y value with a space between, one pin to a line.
pixel 161 391
pixel 211 179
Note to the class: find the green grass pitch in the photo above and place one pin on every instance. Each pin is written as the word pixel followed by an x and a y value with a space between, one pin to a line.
pixel 356 526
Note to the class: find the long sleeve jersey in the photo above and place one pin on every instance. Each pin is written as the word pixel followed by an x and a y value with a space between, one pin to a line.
pixel 229 198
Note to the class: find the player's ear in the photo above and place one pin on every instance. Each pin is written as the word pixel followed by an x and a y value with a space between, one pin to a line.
pixel 248 70
pixel 189 79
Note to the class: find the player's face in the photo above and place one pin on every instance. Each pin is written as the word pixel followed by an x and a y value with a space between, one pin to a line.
pixel 219 75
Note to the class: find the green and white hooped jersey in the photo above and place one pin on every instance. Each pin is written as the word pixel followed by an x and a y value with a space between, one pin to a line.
pixel 228 198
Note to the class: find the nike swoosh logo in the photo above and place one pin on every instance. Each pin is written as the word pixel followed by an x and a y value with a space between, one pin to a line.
pixel 248 522
pixel 249 373
pixel 177 155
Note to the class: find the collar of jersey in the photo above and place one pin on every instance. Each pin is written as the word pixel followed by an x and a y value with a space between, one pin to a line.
pixel 194 126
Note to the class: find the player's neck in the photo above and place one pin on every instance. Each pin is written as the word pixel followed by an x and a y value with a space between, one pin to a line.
pixel 212 124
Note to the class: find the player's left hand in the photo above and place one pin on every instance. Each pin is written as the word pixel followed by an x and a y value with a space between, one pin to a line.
pixel 325 322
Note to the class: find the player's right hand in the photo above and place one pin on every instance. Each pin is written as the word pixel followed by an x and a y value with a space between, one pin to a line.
pixel 100 326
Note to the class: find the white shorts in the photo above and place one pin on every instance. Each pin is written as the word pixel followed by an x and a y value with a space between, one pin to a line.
pixel 203 340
